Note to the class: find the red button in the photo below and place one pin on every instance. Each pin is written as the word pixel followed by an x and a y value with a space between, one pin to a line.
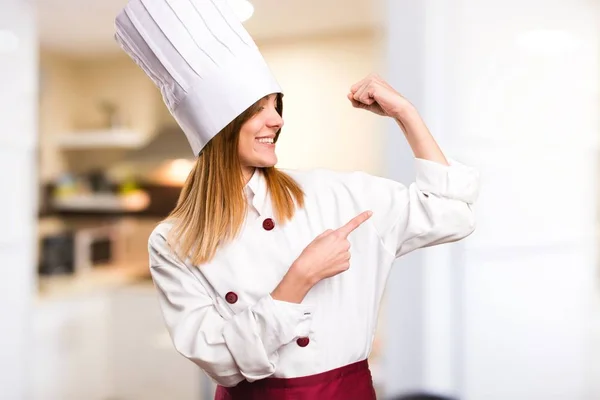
pixel 231 298
pixel 303 341
pixel 268 224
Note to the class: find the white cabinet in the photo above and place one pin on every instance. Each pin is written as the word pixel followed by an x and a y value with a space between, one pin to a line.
pixel 144 363
pixel 68 357
pixel 109 345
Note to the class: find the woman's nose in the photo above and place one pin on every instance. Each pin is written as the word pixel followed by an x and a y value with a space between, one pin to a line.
pixel 275 120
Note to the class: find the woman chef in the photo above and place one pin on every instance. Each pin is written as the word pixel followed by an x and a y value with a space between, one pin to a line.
pixel 270 280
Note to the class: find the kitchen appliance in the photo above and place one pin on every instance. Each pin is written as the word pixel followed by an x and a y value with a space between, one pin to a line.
pixel 57 255
pixel 95 246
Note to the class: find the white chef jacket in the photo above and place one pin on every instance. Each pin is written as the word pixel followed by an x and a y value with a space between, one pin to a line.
pixel 221 316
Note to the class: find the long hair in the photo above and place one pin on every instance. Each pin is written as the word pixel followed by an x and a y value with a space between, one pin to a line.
pixel 212 206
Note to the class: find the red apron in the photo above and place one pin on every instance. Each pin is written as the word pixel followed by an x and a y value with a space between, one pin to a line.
pixel 352 382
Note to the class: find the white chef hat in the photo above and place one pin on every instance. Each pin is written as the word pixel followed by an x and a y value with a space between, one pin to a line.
pixel 200 56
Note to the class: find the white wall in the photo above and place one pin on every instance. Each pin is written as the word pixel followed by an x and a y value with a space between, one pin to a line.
pixel 321 127
pixel 18 136
pixel 529 275
pixel 72 92
pixel 510 87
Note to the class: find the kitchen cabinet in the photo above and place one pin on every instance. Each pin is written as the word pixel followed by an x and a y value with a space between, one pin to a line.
pixel 144 364
pixel 68 355
pixel 108 345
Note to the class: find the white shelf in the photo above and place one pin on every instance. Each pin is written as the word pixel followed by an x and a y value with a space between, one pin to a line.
pixel 101 139
pixel 102 202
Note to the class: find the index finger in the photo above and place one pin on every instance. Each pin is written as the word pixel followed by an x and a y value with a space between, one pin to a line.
pixel 354 223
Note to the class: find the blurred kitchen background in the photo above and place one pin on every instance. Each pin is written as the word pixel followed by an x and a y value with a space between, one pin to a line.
pixel 91 161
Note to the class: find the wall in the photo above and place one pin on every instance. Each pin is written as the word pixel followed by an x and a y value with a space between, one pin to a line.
pixel 117 80
pixel 512 89
pixel 322 129
pixel 58 96
pixel 73 92
pixel 18 142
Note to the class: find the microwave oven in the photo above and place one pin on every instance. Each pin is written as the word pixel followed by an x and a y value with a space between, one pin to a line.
pixel 95 246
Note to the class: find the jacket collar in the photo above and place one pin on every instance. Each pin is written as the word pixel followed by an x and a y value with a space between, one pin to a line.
pixel 256 191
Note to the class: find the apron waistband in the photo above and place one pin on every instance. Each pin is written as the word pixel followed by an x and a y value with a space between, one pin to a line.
pixel 310 380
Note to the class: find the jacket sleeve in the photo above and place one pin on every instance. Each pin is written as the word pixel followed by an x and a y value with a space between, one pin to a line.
pixel 437 208
pixel 229 351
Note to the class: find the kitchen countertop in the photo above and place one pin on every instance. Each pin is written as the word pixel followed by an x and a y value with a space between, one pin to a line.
pixel 101 278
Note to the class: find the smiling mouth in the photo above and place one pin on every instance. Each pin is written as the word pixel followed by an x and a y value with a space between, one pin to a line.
pixel 265 140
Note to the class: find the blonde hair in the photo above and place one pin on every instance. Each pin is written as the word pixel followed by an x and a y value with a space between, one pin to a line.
pixel 212 207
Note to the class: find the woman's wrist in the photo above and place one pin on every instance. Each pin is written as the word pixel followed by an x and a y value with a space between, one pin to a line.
pixel 409 119
pixel 293 287
pixel 407 112
pixel 418 136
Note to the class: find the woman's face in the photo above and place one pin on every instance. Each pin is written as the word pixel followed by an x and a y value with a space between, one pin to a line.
pixel 256 143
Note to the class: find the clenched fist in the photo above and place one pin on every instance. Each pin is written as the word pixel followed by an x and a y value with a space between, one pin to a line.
pixel 376 95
